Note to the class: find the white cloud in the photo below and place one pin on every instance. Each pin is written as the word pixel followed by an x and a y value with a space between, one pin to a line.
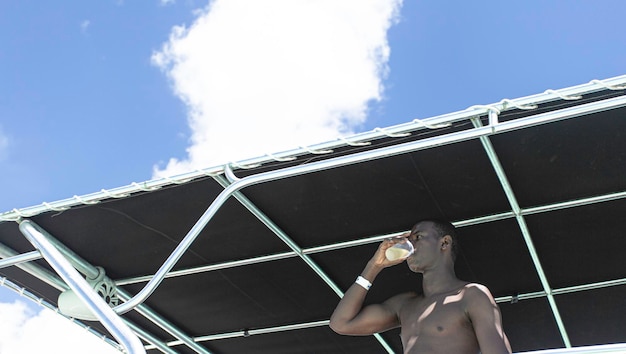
pixel 266 76
pixel 22 331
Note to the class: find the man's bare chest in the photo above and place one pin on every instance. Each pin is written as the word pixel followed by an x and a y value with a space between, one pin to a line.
pixel 434 317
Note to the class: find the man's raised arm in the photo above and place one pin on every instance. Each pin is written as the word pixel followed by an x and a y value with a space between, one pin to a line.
pixel 351 318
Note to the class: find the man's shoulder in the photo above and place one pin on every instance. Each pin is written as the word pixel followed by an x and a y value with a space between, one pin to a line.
pixel 476 287
pixel 475 292
pixel 399 300
pixel 402 297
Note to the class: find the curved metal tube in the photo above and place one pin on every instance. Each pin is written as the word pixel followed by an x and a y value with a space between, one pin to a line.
pixel 70 275
pixel 237 185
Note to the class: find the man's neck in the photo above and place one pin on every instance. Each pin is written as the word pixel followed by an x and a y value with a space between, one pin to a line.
pixel 439 281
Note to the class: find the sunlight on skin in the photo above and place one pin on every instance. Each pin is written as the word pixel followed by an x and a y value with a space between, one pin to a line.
pixel 453 298
pixel 427 312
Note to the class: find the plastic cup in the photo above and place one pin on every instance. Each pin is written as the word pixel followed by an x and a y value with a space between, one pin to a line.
pixel 400 250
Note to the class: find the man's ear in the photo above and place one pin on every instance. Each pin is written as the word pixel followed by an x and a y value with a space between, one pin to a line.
pixel 446 242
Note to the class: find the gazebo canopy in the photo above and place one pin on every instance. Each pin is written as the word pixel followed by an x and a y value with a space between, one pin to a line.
pixel 262 250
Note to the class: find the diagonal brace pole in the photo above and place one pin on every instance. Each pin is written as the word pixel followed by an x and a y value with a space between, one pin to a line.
pixel 112 321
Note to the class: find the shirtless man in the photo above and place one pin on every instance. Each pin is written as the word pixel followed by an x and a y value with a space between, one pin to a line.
pixel 450 316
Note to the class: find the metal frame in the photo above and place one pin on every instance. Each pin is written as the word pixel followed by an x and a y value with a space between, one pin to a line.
pixel 233 185
pixel 239 184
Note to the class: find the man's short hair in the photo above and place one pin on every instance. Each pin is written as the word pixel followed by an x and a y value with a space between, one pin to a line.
pixel 444 228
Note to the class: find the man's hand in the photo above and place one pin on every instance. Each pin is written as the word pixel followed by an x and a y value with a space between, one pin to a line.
pixel 379 259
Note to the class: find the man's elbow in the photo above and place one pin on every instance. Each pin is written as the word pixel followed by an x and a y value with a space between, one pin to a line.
pixel 340 327
pixel 337 327
pixel 348 328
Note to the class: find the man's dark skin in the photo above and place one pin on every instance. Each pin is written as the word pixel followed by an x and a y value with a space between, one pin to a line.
pixel 450 316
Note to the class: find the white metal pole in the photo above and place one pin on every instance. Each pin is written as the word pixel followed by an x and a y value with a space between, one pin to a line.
pixel 112 321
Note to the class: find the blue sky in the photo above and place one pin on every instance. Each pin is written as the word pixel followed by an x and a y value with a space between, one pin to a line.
pixel 86 105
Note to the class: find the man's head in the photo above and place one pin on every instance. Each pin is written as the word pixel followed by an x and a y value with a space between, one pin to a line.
pixel 442 229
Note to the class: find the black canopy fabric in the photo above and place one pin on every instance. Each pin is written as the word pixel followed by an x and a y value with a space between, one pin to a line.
pixel 536 187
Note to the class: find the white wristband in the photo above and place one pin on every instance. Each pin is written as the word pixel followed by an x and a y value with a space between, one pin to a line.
pixel 363 282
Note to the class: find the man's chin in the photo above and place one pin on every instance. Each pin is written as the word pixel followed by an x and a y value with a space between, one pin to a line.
pixel 414 267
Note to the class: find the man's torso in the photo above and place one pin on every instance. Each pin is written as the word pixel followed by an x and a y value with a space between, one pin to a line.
pixel 437 324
